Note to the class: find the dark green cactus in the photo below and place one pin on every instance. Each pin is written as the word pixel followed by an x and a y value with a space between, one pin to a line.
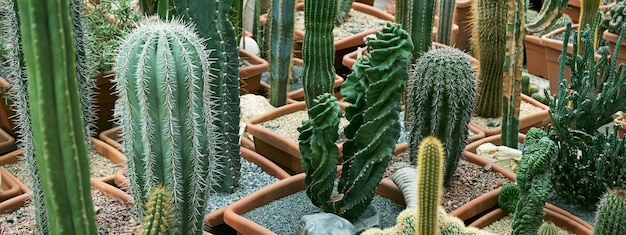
pixel 533 180
pixel 489 46
pixel 441 90
pixel 164 105
pixel 163 8
pixel 548 229
pixel 416 17
pixel 446 15
pixel 158 214
pixel 611 214
pixel 280 24
pixel 430 164
pixel 343 9
pixel 318 50
pixel 374 90
pixel 616 18
pixel 508 197
pixel 57 119
pixel 213 24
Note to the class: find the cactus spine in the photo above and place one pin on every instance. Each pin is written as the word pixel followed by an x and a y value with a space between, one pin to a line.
pixel 342 10
pixel 548 229
pixel 164 98
pixel 213 24
pixel 158 215
pixel 489 46
pixel 443 84
pixel 318 50
pixel 57 121
pixel 429 184
pixel 446 16
pixel 611 214
pixel 281 25
pixel 374 90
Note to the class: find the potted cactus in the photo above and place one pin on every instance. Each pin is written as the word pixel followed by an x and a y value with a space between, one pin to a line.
pixel 613 22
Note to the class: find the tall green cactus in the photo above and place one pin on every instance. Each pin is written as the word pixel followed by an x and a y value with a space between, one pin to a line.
pixel 61 149
pixel 429 184
pixel 588 16
pixel 533 180
pixel 446 15
pixel 374 90
pixel 163 81
pixel 281 24
pixel 611 213
pixel 343 9
pixel 318 50
pixel 163 8
pixel 417 18
pixel 213 24
pixel 158 215
pixel 489 46
pixel 441 91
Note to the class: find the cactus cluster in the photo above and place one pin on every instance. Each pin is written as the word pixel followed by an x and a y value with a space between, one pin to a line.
pixel 611 215
pixel 374 90
pixel 158 214
pixel 615 19
pixel 165 110
pixel 280 26
pixel 440 95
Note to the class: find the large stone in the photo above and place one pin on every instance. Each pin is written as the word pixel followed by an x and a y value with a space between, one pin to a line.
pixel 325 224
pixel 506 157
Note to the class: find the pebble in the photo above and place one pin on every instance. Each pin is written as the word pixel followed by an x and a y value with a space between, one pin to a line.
pixel 487 167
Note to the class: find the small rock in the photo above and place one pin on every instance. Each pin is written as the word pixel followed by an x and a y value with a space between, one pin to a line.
pixel 354 31
pixel 325 224
pixel 487 167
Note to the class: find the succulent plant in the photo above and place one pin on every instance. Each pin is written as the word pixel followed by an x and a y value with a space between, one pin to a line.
pixel 280 25
pixel 446 15
pixel 430 164
pixel 343 9
pixel 158 214
pixel 508 197
pixel 615 19
pixel 416 17
pixel 611 213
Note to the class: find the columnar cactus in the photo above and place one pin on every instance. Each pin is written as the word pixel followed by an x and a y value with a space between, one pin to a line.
pixel 164 105
pixel 281 24
pixel 59 137
pixel 318 50
pixel 374 90
pixel 533 180
pixel 489 46
pixel 416 17
pixel 163 8
pixel 213 24
pixel 158 214
pixel 342 10
pixel 430 161
pixel 446 15
pixel 611 213
pixel 441 95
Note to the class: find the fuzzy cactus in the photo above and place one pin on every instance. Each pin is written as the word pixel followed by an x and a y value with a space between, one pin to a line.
pixel 158 214
pixel 374 90
pixel 430 162
pixel 213 24
pixel 533 180
pixel 280 25
pixel 318 50
pixel 611 215
pixel 441 95
pixel 164 105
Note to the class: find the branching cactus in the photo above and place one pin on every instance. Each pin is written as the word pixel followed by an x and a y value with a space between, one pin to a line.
pixel 318 50
pixel 611 214
pixel 533 180
pixel 281 24
pixel 429 184
pixel 158 214
pixel 213 24
pixel 59 137
pixel 342 10
pixel 374 91
pixel 441 96
pixel 163 81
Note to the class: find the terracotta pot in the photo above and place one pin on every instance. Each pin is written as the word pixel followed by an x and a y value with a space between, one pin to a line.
pixel 492 212
pixel 107 184
pixel 622 130
pixel 535 119
pixel 6 112
pixel 612 39
pixel 7 142
pixel 111 137
pixel 573 9
pixel 16 192
pixel 233 213
pixel 553 52
pixel 469 153
pixel 368 2
pixel 250 76
pixel 462 19
pixel 536 56
pixel 350 59
pixel 478 133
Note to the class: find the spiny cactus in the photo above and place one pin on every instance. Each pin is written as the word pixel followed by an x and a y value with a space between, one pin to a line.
pixel 213 25
pixel 611 215
pixel 429 184
pixel 489 46
pixel 163 82
pixel 439 95
pixel 343 9
pixel 533 180
pixel 508 197
pixel 446 15
pixel 416 17
pixel 374 91
pixel 280 25
pixel 318 50
pixel 548 229
pixel 158 214
pixel 57 119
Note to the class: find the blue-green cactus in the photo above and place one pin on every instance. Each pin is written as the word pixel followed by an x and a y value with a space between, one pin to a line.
pixel 280 24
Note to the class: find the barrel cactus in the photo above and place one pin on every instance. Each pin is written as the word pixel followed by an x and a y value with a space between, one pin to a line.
pixel 441 95
pixel 611 213
pixel 158 214
pixel 164 108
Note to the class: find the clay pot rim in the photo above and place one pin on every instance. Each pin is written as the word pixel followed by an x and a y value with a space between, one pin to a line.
pixel 258 65
pixel 527 120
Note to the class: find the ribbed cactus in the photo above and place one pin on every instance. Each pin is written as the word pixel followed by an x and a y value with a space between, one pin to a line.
pixel 61 149
pixel 163 8
pixel 508 197
pixel 616 18
pixel 343 9
pixel 405 224
pixel 405 179
pixel 158 214
pixel 430 162
pixel 440 96
pixel 416 17
pixel 374 89
pixel 533 179
pixel 318 50
pixel 213 24
pixel 280 24
pixel 611 215
pixel 446 15
pixel 548 229
pixel 163 82
pixel 489 46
